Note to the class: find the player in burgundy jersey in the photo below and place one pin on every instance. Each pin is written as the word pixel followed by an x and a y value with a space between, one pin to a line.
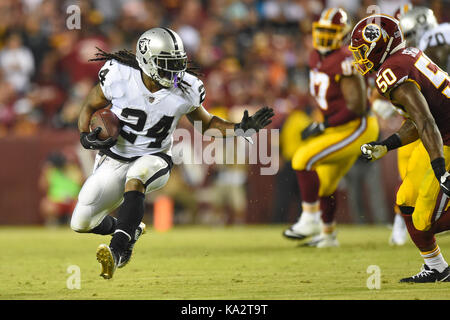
pixel 330 147
pixel 414 84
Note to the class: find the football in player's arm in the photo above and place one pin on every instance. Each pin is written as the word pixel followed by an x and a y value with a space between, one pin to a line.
pixel 96 100
pixel 421 90
pixel 149 92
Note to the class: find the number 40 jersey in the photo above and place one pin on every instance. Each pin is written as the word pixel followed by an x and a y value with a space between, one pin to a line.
pixel 411 64
pixel 148 119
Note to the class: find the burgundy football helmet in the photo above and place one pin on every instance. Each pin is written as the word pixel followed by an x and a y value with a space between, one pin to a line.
pixel 329 32
pixel 373 39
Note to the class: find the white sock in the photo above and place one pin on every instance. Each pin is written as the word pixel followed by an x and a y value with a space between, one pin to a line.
pixel 314 216
pixel 311 211
pixel 434 259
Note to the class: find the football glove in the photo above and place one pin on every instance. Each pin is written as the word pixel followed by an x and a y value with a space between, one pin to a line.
pixel 444 183
pixel 373 151
pixel 314 129
pixel 89 140
pixel 249 125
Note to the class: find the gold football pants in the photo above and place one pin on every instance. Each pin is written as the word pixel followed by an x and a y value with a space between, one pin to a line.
pixel 334 152
pixel 420 189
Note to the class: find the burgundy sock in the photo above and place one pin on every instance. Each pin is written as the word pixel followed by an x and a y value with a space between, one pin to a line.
pixel 328 208
pixel 423 240
pixel 308 182
pixel 443 223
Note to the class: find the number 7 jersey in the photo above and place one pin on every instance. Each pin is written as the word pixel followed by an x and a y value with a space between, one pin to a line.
pixel 324 84
pixel 411 64
pixel 148 119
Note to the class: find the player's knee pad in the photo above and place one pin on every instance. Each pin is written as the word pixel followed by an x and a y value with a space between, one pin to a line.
pixel 100 194
pixel 81 220
pixel 421 220
pixel 299 160
pixel 152 171
pixel 406 194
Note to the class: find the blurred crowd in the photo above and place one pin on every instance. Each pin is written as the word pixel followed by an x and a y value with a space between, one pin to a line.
pixel 250 52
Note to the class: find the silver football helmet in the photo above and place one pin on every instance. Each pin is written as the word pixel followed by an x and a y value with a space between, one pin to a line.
pixel 415 23
pixel 161 55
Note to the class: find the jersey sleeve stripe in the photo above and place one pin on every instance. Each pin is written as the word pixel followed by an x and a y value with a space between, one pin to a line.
pixel 415 82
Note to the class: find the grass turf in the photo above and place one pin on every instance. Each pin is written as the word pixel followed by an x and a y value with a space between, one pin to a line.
pixel 252 262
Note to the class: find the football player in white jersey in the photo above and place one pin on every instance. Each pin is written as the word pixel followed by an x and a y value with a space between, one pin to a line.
pixel 422 31
pixel 149 92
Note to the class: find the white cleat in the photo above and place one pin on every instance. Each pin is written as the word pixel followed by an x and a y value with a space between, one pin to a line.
pixel 323 240
pixel 307 226
pixel 397 239
pixel 328 241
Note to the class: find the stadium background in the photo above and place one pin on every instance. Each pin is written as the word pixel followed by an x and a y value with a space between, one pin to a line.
pixel 251 53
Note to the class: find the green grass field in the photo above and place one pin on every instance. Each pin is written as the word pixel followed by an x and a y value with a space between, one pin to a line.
pixel 253 262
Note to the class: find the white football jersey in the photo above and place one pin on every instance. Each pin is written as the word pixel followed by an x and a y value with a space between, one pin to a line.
pixel 148 119
pixel 435 37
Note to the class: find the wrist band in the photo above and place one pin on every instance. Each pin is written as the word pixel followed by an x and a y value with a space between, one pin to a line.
pixel 393 142
pixel 438 166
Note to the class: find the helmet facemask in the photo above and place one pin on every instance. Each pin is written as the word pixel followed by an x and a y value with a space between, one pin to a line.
pixel 169 69
pixel 360 61
pixel 330 31
pixel 161 56
pixel 328 37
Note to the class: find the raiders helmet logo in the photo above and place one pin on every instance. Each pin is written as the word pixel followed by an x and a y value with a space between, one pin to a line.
pixel 143 45
pixel 371 33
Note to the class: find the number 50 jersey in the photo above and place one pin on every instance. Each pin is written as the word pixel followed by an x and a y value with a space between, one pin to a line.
pixel 148 119
pixel 411 64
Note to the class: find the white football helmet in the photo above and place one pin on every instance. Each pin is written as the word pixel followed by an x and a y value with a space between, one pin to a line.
pixel 161 55
pixel 415 23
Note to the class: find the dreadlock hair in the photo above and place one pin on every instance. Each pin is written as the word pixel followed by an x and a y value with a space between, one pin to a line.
pixel 128 58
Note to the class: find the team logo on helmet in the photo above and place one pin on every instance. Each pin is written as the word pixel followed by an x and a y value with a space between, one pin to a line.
pixel 371 33
pixel 143 45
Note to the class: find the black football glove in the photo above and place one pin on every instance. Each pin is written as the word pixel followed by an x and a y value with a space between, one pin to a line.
pixel 314 129
pixel 249 125
pixel 89 140
pixel 444 183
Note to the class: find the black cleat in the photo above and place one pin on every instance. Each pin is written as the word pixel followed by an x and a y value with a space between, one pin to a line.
pixel 427 275
pixel 126 255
